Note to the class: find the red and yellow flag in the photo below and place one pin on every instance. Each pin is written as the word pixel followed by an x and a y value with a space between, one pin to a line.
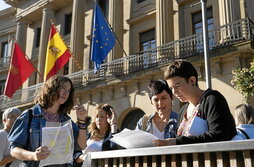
pixel 57 54
pixel 20 69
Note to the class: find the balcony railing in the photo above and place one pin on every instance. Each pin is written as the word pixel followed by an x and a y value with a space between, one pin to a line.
pixel 218 154
pixel 224 36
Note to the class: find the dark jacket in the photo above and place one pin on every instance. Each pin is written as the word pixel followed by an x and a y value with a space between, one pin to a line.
pixel 107 144
pixel 213 108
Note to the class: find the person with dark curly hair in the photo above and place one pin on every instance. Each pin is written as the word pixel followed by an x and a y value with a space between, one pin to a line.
pixel 53 102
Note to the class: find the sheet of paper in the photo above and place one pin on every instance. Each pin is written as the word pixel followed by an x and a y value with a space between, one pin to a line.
pixel 198 126
pixel 134 139
pixel 60 142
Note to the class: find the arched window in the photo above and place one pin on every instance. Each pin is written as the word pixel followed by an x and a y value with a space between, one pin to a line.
pixel 131 119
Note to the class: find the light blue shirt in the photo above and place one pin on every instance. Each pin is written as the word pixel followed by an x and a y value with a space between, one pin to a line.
pixel 248 128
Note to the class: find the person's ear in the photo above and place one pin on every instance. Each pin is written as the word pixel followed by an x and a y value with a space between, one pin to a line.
pixel 4 121
pixel 192 81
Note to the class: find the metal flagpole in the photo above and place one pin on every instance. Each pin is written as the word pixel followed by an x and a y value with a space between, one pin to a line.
pixel 205 43
pixel 117 40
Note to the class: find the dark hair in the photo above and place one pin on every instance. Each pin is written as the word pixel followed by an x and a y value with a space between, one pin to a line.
pixel 157 86
pixel 49 93
pixel 181 68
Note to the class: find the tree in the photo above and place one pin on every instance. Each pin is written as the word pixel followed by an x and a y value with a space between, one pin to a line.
pixel 243 81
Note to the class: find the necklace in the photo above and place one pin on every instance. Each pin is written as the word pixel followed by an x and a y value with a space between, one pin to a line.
pixel 51 117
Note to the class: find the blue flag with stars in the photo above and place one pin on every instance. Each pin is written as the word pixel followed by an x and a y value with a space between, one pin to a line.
pixel 103 39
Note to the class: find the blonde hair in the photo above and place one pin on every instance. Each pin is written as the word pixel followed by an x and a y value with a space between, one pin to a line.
pixel 244 114
pixel 92 127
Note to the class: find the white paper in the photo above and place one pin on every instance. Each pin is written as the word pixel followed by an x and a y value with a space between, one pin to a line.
pixel 198 126
pixel 133 139
pixel 60 142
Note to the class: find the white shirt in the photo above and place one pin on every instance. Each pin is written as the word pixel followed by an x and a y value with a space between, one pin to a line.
pixel 5 148
pixel 93 146
pixel 157 132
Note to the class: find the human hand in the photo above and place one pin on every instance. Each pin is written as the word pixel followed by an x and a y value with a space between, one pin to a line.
pixel 81 113
pixel 165 142
pixel 113 118
pixel 41 153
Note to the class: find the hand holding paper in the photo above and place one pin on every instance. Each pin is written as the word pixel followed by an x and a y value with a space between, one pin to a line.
pixel 134 139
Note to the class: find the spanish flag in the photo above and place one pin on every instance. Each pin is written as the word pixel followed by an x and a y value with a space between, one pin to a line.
pixel 57 54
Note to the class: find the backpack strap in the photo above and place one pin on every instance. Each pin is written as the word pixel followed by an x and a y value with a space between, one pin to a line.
pixel 144 122
pixel 30 116
pixel 245 134
pixel 7 165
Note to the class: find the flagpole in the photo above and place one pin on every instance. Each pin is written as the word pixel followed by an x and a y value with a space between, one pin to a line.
pixel 28 60
pixel 75 60
pixel 117 40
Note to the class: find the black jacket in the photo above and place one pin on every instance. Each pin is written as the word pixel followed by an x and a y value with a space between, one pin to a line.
pixel 213 108
pixel 107 144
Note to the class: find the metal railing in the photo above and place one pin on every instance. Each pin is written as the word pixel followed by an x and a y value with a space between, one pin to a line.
pixel 217 154
pixel 224 36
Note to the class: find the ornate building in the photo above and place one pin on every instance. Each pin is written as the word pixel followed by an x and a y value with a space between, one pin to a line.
pixel 151 33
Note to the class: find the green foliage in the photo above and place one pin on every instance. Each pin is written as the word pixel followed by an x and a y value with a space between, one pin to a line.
pixel 243 81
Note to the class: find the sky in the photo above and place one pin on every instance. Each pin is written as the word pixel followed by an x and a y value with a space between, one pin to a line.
pixel 3 5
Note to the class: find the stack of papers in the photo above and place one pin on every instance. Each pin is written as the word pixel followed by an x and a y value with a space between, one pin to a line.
pixel 134 138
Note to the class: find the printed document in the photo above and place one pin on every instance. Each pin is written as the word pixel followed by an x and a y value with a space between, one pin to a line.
pixel 198 126
pixel 60 142
pixel 134 139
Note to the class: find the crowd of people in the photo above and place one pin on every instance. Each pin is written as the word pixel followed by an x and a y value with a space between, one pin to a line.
pixel 21 138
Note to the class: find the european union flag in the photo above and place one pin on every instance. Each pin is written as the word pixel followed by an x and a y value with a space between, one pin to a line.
pixel 103 39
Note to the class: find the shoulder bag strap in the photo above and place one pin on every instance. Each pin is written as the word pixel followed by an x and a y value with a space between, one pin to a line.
pixel 7 165
pixel 144 122
pixel 245 134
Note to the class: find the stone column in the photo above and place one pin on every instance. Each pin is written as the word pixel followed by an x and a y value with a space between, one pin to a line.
pixel 21 39
pixel 47 14
pixel 21 34
pixel 164 22
pixel 229 11
pixel 116 21
pixel 77 36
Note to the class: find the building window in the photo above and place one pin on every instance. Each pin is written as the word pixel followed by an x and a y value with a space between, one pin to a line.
pixel 197 28
pixel 139 1
pixel 147 41
pixel 2 85
pixel 4 53
pixel 66 68
pixel 104 6
pixel 67 22
pixel 37 37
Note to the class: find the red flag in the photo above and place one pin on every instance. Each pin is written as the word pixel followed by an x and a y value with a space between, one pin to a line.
pixel 20 69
